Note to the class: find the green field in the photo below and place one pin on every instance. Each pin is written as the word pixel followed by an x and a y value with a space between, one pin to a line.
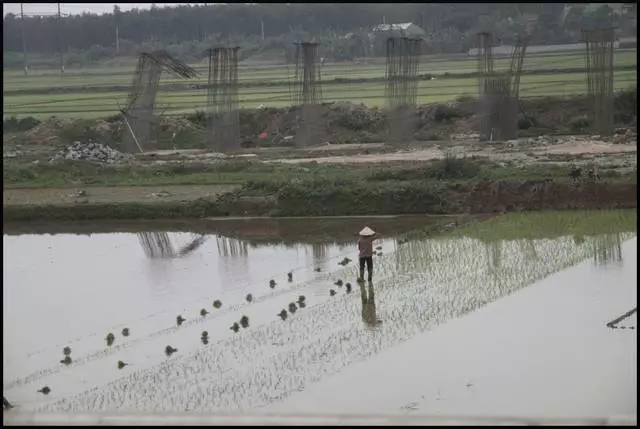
pixel 87 93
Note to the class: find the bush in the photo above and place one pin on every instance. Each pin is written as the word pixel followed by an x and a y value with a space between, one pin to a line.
pixel 525 122
pixel 98 52
pixel 446 113
pixel 358 118
pixel 14 125
pixel 451 168
pixel 580 123
pixel 625 106
pixel 114 118
pixel 353 197
pixel 465 98
pixel 197 118
pixel 80 131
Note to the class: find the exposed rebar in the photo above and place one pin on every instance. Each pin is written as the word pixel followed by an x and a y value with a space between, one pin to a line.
pixel 599 69
pixel 307 93
pixel 499 92
pixel 140 109
pixel 401 88
pixel 222 98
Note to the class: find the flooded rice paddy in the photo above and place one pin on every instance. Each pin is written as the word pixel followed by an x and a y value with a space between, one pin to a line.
pixel 72 289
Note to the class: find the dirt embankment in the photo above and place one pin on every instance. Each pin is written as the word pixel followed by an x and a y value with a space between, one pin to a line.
pixel 532 195
pixel 482 197
pixel 335 123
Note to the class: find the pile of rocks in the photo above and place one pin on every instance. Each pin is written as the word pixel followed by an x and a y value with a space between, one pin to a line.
pixel 11 153
pixel 356 117
pixel 625 136
pixel 92 151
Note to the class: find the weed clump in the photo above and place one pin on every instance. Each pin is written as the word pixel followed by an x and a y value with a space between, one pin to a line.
pixel 580 123
pixel 444 113
pixel 625 106
pixel 452 168
pixel 525 121
pixel 15 125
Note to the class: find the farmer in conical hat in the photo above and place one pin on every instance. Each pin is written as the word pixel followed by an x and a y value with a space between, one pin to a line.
pixel 365 249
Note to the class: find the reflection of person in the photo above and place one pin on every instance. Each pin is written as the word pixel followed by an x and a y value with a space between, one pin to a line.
pixel 368 305
pixel 365 251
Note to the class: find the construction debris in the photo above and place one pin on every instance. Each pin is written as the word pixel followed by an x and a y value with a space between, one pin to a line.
pixel 139 115
pixel 92 151
pixel 401 90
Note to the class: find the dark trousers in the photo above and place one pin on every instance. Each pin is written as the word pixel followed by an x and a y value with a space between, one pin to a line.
pixel 368 260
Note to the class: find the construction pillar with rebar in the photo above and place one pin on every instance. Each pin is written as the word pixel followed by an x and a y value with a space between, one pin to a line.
pixel 499 92
pixel 599 69
pixel 222 99
pixel 401 89
pixel 140 111
pixel 307 93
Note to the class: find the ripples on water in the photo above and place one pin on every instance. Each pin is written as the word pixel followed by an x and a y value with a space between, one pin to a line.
pixel 71 290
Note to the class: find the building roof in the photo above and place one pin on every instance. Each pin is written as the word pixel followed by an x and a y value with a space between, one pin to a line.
pixel 393 27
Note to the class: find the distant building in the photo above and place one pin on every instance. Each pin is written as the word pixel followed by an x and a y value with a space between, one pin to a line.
pixel 408 29
pixel 380 33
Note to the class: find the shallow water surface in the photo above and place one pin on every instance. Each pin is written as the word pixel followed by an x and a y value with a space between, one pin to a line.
pixel 71 290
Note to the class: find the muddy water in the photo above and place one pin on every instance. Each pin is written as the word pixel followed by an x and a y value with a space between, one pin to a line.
pixel 71 290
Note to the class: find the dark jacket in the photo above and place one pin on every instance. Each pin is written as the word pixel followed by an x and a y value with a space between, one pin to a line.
pixel 365 246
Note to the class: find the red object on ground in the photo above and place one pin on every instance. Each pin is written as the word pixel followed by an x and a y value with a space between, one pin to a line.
pixel 263 136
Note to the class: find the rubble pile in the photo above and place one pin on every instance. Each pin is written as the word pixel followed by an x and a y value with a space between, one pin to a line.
pixel 355 117
pixel 91 151
pixel 48 131
pixel 625 137
pixel 11 153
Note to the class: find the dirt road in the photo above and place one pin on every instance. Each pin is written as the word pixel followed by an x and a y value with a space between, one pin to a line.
pixel 569 148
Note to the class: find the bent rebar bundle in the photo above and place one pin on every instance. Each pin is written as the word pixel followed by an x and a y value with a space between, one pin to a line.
pixel 401 89
pixel 140 109
pixel 222 98
pixel 499 93
pixel 307 93
pixel 599 68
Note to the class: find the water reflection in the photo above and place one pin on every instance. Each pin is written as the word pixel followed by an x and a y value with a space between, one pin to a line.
pixel 367 295
pixel 608 249
pixel 493 251
pixel 232 247
pixel 271 360
pixel 528 248
pixel 319 251
pixel 157 245
pixel 418 285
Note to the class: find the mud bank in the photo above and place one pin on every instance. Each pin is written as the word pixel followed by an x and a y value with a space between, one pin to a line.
pixel 353 199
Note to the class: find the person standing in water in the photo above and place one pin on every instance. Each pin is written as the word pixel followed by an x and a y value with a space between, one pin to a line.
pixel 365 251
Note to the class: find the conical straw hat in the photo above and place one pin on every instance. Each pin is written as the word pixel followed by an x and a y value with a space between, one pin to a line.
pixel 367 231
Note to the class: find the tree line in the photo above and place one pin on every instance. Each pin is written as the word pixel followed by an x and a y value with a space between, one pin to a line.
pixel 257 28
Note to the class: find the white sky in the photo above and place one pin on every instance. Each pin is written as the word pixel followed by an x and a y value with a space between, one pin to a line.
pixel 75 8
